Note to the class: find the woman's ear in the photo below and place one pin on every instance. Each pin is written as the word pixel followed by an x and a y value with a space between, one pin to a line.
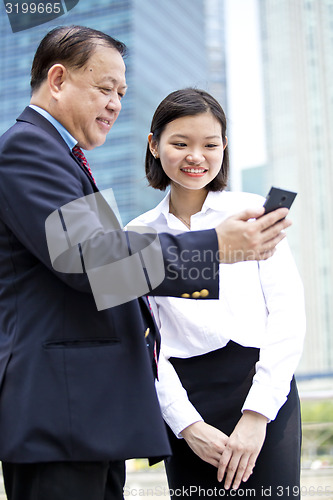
pixel 152 145
pixel 225 142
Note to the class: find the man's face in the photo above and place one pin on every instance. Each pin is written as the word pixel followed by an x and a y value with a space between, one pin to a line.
pixel 89 101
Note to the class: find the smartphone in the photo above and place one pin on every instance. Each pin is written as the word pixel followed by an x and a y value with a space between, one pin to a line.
pixel 278 198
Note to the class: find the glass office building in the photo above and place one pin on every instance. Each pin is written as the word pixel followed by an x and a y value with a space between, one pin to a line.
pixel 215 39
pixel 166 51
pixel 297 38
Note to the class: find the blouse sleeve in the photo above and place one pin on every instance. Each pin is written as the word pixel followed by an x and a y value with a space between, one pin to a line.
pixel 285 330
pixel 178 412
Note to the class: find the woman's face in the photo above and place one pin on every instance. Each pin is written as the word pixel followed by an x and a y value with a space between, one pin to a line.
pixel 191 150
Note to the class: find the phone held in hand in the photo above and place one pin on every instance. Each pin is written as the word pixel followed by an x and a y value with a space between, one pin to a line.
pixel 278 198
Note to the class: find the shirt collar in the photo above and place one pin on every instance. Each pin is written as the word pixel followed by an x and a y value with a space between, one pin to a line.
pixel 67 137
pixel 161 208
pixel 214 201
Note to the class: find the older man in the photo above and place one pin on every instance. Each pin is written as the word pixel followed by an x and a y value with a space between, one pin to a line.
pixel 77 385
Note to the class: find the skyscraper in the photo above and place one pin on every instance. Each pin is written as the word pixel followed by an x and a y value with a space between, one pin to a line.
pixel 297 39
pixel 215 39
pixel 166 51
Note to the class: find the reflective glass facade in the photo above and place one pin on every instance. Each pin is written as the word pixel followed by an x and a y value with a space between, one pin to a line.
pixel 297 41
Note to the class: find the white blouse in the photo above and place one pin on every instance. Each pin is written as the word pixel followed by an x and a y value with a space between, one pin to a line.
pixel 261 304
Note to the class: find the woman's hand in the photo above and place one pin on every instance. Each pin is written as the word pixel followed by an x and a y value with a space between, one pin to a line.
pixel 242 449
pixel 206 441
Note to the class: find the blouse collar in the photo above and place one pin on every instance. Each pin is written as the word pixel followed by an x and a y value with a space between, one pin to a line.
pixel 215 201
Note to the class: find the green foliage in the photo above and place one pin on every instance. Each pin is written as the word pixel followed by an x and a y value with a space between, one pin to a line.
pixel 317 411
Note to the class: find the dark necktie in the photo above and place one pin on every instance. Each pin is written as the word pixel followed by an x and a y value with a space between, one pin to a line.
pixel 79 154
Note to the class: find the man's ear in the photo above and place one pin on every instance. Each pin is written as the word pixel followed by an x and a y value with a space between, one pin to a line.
pixel 56 77
pixel 153 145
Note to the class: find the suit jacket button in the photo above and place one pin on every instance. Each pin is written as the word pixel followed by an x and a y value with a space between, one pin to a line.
pixel 185 295
pixel 204 293
pixel 195 295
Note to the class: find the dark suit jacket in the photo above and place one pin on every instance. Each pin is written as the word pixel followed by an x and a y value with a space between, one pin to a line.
pixel 75 383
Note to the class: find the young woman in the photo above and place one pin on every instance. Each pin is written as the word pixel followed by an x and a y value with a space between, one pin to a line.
pixel 226 385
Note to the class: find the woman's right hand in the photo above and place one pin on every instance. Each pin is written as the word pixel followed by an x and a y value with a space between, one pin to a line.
pixel 206 441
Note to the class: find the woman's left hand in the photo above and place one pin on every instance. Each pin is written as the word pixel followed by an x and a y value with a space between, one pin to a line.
pixel 242 449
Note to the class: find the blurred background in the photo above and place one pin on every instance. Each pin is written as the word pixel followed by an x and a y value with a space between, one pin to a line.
pixel 270 65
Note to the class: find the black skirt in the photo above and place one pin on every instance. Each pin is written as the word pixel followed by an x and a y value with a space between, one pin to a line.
pixel 217 384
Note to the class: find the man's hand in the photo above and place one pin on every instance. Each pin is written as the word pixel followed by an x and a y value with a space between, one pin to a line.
pixel 240 240
pixel 206 441
pixel 242 449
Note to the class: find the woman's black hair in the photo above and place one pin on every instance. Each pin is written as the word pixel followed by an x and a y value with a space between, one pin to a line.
pixel 186 102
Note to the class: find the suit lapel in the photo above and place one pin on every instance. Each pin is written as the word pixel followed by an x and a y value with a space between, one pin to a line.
pixel 29 115
pixel 147 312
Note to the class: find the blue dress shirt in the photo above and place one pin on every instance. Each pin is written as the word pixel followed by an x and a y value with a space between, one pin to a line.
pixel 67 137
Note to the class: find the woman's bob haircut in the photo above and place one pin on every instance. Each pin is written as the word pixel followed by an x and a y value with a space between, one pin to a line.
pixel 186 102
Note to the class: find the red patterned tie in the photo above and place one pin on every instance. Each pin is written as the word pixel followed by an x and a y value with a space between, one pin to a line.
pixel 79 154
